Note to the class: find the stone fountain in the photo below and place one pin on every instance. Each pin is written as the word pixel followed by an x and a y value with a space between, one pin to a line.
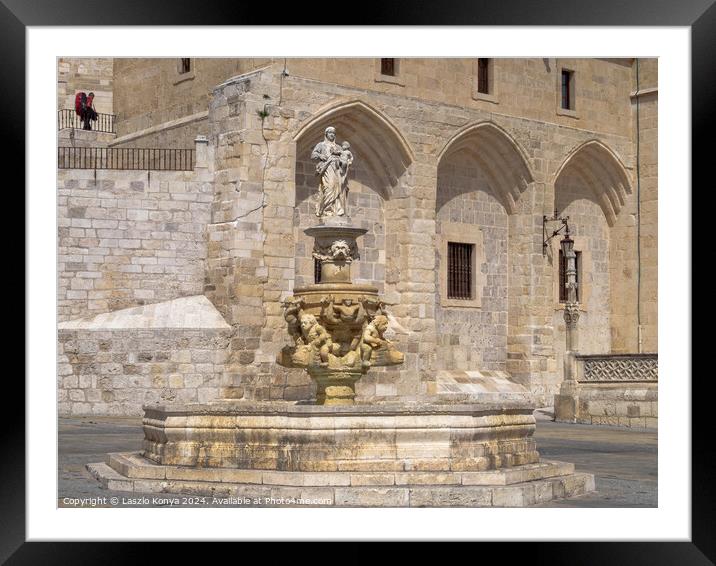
pixel 337 327
pixel 446 449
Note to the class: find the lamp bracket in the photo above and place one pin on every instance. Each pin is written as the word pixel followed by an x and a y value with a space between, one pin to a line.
pixel 556 218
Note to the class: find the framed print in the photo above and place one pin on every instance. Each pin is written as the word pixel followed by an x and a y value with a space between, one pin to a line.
pixel 279 226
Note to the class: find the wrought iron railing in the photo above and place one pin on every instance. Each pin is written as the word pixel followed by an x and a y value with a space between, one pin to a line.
pixel 617 367
pixel 69 119
pixel 137 158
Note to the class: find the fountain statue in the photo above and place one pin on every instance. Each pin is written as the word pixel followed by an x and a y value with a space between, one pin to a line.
pixel 338 328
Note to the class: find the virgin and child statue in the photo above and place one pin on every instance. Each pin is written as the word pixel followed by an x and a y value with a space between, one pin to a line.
pixel 332 165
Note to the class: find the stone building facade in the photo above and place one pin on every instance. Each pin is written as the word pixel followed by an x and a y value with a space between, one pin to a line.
pixel 436 161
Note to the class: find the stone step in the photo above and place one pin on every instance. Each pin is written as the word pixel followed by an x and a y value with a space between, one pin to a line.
pixel 354 495
pixel 134 465
pixel 109 478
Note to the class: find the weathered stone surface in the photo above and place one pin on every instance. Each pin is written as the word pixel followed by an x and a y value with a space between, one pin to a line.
pixel 115 363
pixel 626 403
pixel 287 437
pixel 131 472
pixel 371 497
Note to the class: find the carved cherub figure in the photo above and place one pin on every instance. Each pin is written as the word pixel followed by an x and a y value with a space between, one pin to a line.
pixel 292 315
pixel 373 306
pixel 347 310
pixel 373 338
pixel 316 336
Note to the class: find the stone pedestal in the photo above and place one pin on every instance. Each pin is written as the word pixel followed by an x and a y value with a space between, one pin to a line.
pixel 335 386
pixel 335 247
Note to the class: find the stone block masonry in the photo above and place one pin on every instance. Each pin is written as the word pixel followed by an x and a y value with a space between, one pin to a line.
pixel 618 390
pixel 128 238
pixel 115 363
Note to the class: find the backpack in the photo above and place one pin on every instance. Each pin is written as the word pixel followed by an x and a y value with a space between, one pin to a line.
pixel 80 102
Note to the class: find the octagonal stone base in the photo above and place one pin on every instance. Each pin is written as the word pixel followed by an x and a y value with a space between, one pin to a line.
pixel 455 452
pixel 312 438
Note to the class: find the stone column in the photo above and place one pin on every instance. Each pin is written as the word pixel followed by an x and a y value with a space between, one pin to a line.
pixel 530 351
pixel 410 273
pixel 236 269
pixel 566 404
pixel 571 314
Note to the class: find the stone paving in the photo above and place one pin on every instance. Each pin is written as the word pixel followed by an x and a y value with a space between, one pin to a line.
pixel 624 461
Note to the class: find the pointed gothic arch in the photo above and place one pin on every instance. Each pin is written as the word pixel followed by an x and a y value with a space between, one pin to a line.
pixel 601 170
pixel 373 138
pixel 498 155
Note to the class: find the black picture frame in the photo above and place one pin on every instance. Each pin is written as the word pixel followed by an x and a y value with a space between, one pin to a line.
pixel 699 15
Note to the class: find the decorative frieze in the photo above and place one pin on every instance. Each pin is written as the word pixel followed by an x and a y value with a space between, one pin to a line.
pixel 628 367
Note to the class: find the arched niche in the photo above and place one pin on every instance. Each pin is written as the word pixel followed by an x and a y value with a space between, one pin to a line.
pixel 482 172
pixel 592 188
pixel 601 173
pixel 381 158
pixel 497 155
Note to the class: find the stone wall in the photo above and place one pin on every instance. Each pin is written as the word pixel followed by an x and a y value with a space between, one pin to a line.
pixel 618 390
pixel 522 87
pixel 649 207
pixel 128 238
pixel 69 137
pixel 177 134
pixel 167 95
pixel 115 363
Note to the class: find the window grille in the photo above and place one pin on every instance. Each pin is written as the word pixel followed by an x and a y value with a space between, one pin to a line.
pixel 459 267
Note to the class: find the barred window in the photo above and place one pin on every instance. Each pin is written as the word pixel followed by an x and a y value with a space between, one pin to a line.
pixel 387 67
pixel 184 65
pixel 563 275
pixel 459 270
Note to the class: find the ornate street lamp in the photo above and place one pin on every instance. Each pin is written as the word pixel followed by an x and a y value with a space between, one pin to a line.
pixel 571 306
